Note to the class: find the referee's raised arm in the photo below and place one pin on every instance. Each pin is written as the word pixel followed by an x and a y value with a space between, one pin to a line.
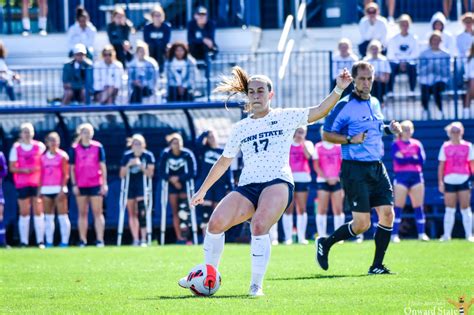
pixel 342 82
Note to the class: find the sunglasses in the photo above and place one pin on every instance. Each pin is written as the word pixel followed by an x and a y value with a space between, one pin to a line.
pixel 371 12
pixel 107 55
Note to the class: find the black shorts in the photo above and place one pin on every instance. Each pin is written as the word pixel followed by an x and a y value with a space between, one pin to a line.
pixel 89 191
pixel 329 188
pixel 366 185
pixel 252 191
pixel 217 192
pixel 27 192
pixel 174 190
pixel 449 188
pixel 301 187
pixel 135 190
pixel 50 196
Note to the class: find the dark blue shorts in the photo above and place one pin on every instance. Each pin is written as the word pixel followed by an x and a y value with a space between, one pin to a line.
pixel 329 188
pixel 27 192
pixel 253 191
pixel 408 179
pixel 217 192
pixel 449 188
pixel 89 191
pixel 135 189
pixel 174 190
pixel 301 187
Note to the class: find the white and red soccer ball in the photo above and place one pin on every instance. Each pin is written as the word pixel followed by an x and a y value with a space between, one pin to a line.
pixel 204 280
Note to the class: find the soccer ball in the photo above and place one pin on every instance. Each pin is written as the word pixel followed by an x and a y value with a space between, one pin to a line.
pixel 204 280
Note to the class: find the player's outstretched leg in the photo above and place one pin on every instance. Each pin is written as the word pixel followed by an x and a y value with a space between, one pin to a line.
pixel 382 240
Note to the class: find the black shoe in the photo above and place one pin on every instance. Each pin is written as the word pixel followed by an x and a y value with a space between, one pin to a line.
pixel 322 253
pixel 23 245
pixel 379 270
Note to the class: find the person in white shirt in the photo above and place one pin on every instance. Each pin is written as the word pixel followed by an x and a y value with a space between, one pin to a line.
pixel 382 70
pixel 343 58
pixel 438 23
pixel 266 184
pixel 470 84
pixel 464 41
pixel 108 74
pixel 402 51
pixel 372 26
pixel 82 32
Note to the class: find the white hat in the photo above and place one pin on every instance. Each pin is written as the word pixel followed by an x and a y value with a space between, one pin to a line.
pixel 80 49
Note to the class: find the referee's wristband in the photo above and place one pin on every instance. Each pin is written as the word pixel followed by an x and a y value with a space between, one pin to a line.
pixel 338 90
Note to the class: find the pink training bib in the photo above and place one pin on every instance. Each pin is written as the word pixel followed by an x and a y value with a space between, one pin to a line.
pixel 87 165
pixel 28 159
pixel 409 149
pixel 457 158
pixel 330 160
pixel 298 161
pixel 52 169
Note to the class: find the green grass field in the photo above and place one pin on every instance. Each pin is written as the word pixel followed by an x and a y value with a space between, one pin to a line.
pixel 143 280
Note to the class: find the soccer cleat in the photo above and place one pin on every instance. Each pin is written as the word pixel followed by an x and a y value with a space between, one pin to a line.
pixel 444 238
pixel 395 239
pixel 379 270
pixel 303 242
pixel 289 242
pixel 143 244
pixel 136 243
pixel 41 246
pixel 423 237
pixel 275 242
pixel 322 254
pixel 23 245
pixel 255 290
pixel 43 32
pixel 82 244
pixel 184 283
pixel 470 239
pixel 99 244
pixel 359 238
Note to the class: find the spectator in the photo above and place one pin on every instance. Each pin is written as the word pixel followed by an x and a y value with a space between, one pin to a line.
pixel 82 32
pixel 433 73
pixel 142 74
pixel 390 8
pixel 372 26
pixel 465 39
pixel 343 58
pixel 438 23
pixel 77 76
pixel 201 35
pixel 181 73
pixel 42 17
pixel 402 51
pixel 108 74
pixel 119 31
pixel 382 70
pixel 3 174
pixel 7 77
pixel 448 4
pixel 157 35
pixel 470 84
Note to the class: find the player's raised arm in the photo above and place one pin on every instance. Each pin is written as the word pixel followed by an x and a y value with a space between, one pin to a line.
pixel 320 111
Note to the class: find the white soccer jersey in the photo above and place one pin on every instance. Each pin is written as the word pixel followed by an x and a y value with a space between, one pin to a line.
pixel 265 144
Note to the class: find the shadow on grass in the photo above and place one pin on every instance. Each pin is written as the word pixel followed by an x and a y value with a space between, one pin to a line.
pixel 317 276
pixel 185 297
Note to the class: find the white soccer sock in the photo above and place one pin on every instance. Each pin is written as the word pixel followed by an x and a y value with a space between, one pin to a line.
pixel 301 223
pixel 339 220
pixel 467 221
pixel 49 228
pixel 287 221
pixel 260 249
pixel 321 224
pixel 213 247
pixel 26 23
pixel 39 228
pixel 42 22
pixel 65 228
pixel 24 228
pixel 274 232
pixel 449 221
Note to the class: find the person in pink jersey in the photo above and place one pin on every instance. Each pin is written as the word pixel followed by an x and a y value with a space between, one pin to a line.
pixel 408 156
pixel 89 181
pixel 301 150
pixel 25 164
pixel 53 189
pixel 327 160
pixel 456 165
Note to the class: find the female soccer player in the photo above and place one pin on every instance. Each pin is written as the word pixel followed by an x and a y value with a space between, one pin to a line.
pixel 3 173
pixel 327 161
pixel 89 181
pixel 456 164
pixel 300 151
pixel 177 166
pixel 266 185
pixel 137 162
pixel 408 157
pixel 25 164
pixel 53 189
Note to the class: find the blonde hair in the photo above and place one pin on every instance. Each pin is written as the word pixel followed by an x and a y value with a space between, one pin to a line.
pixel 136 137
pixel 29 126
pixel 409 124
pixel 376 43
pixel 372 5
pixel 175 135
pixel 405 17
pixel 143 45
pixel 111 49
pixel 81 127
pixel 436 33
pixel 346 41
pixel 239 83
pixel 158 9
pixel 455 124
pixel 53 134
pixel 118 10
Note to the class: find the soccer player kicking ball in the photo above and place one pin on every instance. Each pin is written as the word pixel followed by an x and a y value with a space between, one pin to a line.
pixel 266 184
pixel 356 122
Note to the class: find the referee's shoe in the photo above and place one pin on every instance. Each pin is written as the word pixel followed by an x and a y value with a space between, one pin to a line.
pixel 379 270
pixel 322 253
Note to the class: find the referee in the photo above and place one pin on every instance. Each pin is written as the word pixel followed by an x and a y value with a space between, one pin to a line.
pixel 356 122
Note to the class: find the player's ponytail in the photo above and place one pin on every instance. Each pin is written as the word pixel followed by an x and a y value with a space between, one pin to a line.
pixel 235 84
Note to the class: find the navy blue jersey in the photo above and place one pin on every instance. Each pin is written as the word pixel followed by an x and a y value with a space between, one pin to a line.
pixel 207 159
pixel 183 165
pixel 136 174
